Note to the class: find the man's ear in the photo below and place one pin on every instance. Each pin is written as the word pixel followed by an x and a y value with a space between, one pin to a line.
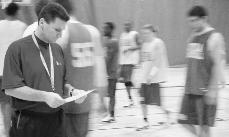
pixel 41 23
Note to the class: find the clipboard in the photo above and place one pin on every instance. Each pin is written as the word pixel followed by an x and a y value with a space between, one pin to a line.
pixel 73 98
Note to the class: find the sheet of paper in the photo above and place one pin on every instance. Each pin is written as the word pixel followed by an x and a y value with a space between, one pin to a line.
pixel 73 98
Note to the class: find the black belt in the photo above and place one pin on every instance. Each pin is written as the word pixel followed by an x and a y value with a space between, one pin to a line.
pixel 38 114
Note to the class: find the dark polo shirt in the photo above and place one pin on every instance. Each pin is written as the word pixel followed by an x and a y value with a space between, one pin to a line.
pixel 23 67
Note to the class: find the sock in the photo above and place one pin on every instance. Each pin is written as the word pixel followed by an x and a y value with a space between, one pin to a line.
pixel 146 119
pixel 112 113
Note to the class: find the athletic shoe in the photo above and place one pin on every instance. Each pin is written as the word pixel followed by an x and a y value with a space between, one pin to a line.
pixel 130 104
pixel 145 126
pixel 108 119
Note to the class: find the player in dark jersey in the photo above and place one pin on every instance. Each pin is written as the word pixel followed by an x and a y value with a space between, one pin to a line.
pixel 204 72
pixel 110 44
pixel 85 69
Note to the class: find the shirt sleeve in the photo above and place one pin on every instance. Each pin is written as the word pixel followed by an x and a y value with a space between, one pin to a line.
pixel 12 72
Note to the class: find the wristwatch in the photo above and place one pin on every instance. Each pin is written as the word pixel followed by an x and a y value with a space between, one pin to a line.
pixel 71 91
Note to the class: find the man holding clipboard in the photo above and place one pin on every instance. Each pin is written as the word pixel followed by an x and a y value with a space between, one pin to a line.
pixel 34 77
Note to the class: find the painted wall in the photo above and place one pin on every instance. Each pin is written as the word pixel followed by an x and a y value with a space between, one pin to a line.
pixel 169 16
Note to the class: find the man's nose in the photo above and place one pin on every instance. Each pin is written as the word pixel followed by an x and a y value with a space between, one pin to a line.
pixel 59 35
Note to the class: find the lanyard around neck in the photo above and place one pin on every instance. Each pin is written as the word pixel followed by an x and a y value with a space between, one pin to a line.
pixel 51 72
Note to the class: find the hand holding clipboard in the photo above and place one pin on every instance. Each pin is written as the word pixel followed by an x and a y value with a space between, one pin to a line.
pixel 80 94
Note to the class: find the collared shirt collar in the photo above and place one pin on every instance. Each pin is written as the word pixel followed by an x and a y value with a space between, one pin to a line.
pixel 41 42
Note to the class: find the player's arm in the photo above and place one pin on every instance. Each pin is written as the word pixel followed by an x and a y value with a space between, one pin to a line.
pixel 156 60
pixel 215 46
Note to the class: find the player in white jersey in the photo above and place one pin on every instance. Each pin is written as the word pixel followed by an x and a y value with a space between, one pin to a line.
pixel 129 57
pixel 153 70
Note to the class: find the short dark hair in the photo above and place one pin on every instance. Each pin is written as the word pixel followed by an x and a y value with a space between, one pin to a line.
pixel 39 5
pixel 149 27
pixel 53 10
pixel 66 4
pixel 111 25
pixel 12 9
pixel 197 11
